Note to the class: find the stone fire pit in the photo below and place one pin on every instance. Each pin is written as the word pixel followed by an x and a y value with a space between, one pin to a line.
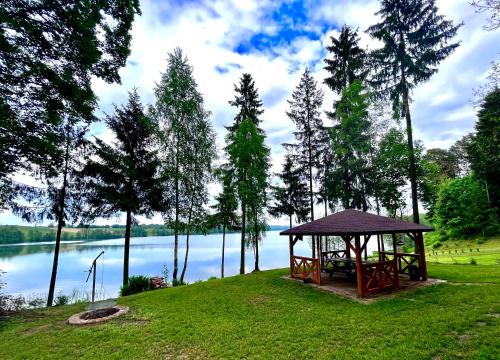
pixel 97 316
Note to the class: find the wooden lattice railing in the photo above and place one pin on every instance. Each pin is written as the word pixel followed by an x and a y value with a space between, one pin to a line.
pixel 404 261
pixel 328 256
pixel 307 269
pixel 379 276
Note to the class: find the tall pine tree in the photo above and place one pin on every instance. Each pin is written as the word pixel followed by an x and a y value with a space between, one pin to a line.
pixel 291 198
pixel 249 107
pixel 123 177
pixel 415 40
pixel 351 147
pixel 305 113
pixel 348 60
pixel 247 101
pixel 249 159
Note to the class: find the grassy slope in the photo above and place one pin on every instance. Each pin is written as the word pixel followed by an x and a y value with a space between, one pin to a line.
pixel 450 251
pixel 263 316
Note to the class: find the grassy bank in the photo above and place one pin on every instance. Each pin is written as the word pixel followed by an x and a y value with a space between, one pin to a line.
pixel 484 251
pixel 263 316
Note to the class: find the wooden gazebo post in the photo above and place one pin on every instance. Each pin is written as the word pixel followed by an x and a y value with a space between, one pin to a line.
pixel 359 268
pixel 419 239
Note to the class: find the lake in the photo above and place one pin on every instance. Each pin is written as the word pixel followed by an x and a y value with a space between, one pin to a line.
pixel 28 266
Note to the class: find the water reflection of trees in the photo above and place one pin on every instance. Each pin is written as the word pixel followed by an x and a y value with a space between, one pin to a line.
pixel 21 250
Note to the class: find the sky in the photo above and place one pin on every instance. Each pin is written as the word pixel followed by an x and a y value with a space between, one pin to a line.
pixel 274 41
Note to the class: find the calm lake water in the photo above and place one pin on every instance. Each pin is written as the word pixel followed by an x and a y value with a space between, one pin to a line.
pixel 28 266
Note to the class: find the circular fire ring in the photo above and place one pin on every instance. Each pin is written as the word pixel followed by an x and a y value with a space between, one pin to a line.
pixel 97 316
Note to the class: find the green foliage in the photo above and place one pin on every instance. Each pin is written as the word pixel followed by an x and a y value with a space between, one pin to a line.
pixel 247 102
pixel 226 202
pixel 484 148
pixel 61 300
pixel 187 147
pixel 305 110
pixel 123 177
pixel 135 284
pixel 249 159
pixel 462 208
pixel 415 40
pixel 351 145
pixel 348 60
pixel 292 197
pixel 446 162
pixel 245 147
pixel 50 53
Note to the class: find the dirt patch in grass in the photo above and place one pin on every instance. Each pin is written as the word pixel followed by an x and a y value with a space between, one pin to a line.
pixel 36 329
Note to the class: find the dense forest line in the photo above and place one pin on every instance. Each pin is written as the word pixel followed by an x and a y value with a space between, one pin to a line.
pixel 358 152
pixel 13 234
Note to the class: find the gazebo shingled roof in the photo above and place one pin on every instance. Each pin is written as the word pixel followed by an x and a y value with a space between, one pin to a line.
pixel 351 222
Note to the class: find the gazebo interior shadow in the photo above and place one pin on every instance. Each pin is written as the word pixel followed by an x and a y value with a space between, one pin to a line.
pixel 348 270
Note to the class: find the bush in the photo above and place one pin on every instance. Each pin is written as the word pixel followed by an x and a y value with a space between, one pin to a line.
pixel 462 208
pixel 61 300
pixel 136 284
pixel 473 261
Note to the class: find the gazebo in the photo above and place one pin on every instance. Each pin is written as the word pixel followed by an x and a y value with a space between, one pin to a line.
pixel 356 228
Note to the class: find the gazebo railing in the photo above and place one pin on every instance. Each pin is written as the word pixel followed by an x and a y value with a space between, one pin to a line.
pixel 328 256
pixel 379 276
pixel 307 269
pixel 404 261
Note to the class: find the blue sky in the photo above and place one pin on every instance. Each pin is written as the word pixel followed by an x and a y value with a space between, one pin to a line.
pixel 274 41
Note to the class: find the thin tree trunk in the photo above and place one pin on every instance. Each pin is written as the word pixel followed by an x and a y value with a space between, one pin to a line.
pixel 256 232
pixel 127 247
pixel 311 199
pixel 347 190
pixel 60 224
pixel 411 152
pixel 186 256
pixel 50 297
pixel 290 221
pixel 487 194
pixel 176 224
pixel 223 248
pixel 243 224
pixel 184 266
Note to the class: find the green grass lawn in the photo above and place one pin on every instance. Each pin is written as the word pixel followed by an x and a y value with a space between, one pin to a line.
pixel 263 316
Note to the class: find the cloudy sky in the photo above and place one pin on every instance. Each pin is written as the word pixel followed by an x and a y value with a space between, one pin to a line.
pixel 275 41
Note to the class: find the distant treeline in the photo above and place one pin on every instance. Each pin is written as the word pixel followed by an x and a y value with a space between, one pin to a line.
pixel 12 234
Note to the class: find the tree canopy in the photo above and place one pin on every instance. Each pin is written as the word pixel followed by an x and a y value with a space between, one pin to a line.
pixel 49 54
pixel 123 177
